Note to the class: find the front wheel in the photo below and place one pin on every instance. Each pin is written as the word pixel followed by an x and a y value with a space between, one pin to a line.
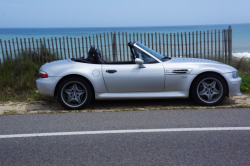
pixel 74 93
pixel 209 89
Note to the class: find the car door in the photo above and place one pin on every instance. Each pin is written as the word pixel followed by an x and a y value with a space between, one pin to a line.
pixel 131 78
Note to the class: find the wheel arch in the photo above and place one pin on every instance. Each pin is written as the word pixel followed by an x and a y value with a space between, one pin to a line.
pixel 191 85
pixel 73 75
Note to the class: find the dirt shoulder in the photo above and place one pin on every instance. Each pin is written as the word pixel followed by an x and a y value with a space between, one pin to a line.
pixel 52 106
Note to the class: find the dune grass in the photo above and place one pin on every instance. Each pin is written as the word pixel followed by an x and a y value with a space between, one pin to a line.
pixel 17 77
pixel 243 67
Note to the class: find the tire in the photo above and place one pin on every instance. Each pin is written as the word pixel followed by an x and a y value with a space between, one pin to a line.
pixel 74 93
pixel 209 89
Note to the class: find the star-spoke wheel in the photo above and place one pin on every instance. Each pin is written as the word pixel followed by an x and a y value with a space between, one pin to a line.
pixel 209 89
pixel 74 93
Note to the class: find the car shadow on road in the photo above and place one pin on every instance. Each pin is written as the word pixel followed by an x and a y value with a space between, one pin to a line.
pixel 111 104
pixel 115 105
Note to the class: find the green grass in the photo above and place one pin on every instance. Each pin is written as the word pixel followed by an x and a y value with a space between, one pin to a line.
pixel 245 86
pixel 17 77
pixel 243 67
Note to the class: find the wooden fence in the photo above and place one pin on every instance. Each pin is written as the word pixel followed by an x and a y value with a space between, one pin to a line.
pixel 210 44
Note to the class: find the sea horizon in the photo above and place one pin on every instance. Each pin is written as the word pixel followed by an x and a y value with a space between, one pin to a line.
pixel 240 42
pixel 123 26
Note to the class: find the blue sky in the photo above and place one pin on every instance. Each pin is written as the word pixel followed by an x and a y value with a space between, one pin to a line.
pixel 120 13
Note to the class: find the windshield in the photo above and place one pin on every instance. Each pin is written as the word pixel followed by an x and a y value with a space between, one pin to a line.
pixel 156 54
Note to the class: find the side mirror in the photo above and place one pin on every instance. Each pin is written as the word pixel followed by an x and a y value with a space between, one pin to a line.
pixel 140 62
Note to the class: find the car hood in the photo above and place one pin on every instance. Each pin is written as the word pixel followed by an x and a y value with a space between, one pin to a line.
pixel 193 60
pixel 197 65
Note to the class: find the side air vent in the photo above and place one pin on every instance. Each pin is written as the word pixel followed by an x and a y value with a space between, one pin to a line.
pixel 179 71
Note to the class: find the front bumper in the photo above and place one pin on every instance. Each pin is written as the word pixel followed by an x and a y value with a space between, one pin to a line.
pixel 233 85
pixel 46 86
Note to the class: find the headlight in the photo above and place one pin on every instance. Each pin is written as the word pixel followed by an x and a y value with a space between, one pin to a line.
pixel 235 74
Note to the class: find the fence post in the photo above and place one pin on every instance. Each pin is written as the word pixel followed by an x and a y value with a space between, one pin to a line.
pixel 67 39
pixel 163 44
pixel 18 52
pixel 156 45
pixel 14 49
pixel 174 46
pixel 6 50
pixel 75 48
pixel 171 52
pixel 72 48
pixel 123 46
pixel 34 50
pixel 11 58
pixel 204 38
pixel 30 56
pixel 200 46
pixel 208 44
pixel 101 43
pixel 50 57
pixel 114 47
pixel 193 43
pixel 230 44
pixel 212 57
pixel 223 45
pixel 119 37
pixel 196 46
pixel 167 44
pixel 53 49
pixel 38 52
pixel 2 50
pixel 83 47
pixel 25 47
pixel 79 43
pixel 60 45
pixel 105 45
pixel 226 45
pixel 215 45
pixel 57 49
pixel 41 50
pixel 65 54
pixel 178 44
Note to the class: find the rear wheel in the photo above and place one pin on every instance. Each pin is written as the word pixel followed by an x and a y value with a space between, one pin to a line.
pixel 209 89
pixel 74 93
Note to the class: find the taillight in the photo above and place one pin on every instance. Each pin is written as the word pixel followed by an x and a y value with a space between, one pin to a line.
pixel 43 74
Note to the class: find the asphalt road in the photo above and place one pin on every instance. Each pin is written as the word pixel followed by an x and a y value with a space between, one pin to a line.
pixel 150 148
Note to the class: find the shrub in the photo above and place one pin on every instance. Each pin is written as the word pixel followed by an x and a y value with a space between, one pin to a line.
pixel 17 76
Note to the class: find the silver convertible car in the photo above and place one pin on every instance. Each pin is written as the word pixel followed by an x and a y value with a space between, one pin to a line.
pixel 77 81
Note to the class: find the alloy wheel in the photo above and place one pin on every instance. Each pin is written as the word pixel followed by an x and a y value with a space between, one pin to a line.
pixel 74 94
pixel 209 90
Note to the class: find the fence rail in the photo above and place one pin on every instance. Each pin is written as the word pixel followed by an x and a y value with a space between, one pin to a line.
pixel 210 44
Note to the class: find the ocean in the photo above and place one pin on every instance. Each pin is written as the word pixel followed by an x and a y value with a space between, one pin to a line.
pixel 241 33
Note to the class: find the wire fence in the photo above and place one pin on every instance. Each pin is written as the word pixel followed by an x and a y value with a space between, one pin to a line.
pixel 210 44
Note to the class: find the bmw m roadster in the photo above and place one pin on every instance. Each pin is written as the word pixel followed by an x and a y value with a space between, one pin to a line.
pixel 77 81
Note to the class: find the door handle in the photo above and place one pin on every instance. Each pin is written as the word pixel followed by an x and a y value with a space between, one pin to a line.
pixel 111 71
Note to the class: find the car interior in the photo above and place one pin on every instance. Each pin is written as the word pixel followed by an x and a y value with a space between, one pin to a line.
pixel 95 57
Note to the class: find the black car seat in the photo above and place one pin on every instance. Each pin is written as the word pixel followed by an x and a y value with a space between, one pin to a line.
pixel 98 57
pixel 91 54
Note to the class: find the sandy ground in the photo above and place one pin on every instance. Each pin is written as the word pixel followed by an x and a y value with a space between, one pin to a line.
pixel 52 106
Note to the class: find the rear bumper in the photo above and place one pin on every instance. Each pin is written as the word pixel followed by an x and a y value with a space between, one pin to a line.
pixel 233 85
pixel 46 86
